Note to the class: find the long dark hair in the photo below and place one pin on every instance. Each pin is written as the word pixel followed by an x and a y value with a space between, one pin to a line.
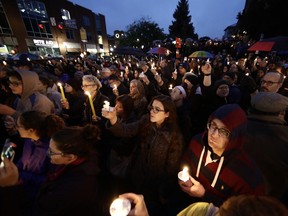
pixel 172 120
pixel 127 104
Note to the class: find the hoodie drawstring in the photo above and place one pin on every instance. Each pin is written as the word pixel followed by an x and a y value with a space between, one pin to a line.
pixel 218 168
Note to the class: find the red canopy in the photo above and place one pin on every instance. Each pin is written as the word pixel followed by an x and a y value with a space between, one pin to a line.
pixel 262 46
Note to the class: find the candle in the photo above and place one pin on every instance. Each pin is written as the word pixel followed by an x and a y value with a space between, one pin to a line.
pixel 114 87
pixel 120 207
pixel 91 103
pixel 184 174
pixel 106 105
pixel 121 74
pixel 142 74
pixel 4 63
pixel 170 87
pixel 61 90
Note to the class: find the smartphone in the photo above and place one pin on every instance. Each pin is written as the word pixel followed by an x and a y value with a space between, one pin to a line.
pixel 7 151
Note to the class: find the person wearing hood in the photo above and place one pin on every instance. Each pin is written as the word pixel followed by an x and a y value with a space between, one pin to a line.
pixel 218 166
pixel 24 84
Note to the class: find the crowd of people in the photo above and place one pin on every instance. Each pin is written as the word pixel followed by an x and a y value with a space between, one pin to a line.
pixel 85 132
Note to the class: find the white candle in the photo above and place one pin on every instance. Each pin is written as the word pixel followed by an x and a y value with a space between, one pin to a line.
pixel 61 90
pixel 184 174
pixel 114 87
pixel 91 103
pixel 120 207
pixel 142 74
pixel 106 105
pixel 121 74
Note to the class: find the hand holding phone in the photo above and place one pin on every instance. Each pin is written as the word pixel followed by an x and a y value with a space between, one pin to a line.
pixel 7 151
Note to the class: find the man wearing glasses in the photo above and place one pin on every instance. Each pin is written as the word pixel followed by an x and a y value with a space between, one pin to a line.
pixel 218 166
pixel 271 82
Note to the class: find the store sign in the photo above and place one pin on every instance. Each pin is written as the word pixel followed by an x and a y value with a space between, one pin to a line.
pixel 70 24
pixel 43 42
pixel 83 34
pixel 53 21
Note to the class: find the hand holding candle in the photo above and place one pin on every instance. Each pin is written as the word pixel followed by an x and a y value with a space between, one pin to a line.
pixel 185 177
pixel 61 90
pixel 120 207
pixel 106 106
pixel 170 88
pixel 91 103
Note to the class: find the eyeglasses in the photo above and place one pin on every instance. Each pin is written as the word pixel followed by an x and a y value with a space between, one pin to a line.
pixel 15 84
pixel 51 153
pixel 85 86
pixel 224 133
pixel 268 83
pixel 155 109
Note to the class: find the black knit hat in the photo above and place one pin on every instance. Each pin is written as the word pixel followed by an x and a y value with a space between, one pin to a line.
pixel 219 83
pixel 193 79
pixel 75 84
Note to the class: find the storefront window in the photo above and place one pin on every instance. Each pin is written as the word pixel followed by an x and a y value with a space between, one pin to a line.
pixel 4 25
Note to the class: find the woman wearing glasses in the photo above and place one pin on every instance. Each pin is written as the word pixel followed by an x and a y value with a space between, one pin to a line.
pixel 71 188
pixel 156 159
pixel 218 166
pixel 92 85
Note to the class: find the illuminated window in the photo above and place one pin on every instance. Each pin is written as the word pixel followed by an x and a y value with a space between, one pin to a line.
pixel 35 18
pixel 65 14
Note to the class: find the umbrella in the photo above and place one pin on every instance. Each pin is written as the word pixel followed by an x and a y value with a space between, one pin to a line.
pixel 26 56
pixel 271 44
pixel 159 51
pixel 201 54
pixel 128 51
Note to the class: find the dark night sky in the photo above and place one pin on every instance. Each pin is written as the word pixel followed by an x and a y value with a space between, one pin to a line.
pixel 209 17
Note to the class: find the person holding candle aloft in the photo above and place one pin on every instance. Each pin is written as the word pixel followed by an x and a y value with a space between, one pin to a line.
pixel 117 86
pixel 92 85
pixel 218 166
pixel 73 106
pixel 155 161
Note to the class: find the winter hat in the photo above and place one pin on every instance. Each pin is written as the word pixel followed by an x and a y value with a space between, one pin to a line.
pixel 235 120
pixel 78 75
pixel 75 84
pixel 182 90
pixel 219 83
pixel 193 79
pixel 269 103
pixel 230 74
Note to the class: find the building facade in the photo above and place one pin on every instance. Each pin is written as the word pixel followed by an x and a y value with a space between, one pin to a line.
pixel 51 27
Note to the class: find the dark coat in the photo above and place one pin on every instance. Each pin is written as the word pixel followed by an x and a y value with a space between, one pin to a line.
pixel 72 190
pixel 267 144
pixel 98 102
pixel 156 160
